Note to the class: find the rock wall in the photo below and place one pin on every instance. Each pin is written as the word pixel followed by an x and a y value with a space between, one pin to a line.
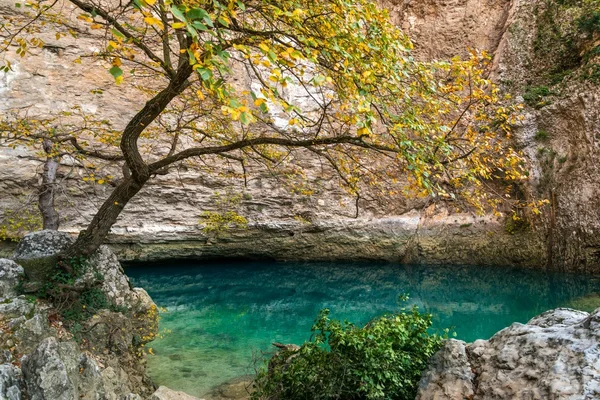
pixel 164 220
pixel 546 60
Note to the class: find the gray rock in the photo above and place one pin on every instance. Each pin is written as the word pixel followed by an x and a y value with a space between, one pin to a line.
pixel 59 371
pixel 42 244
pixel 16 307
pixel 11 382
pixel 164 393
pixel 10 274
pixel 33 330
pixel 49 369
pixel 559 316
pixel 555 356
pixel 449 374
pixel 132 396
pixel 103 264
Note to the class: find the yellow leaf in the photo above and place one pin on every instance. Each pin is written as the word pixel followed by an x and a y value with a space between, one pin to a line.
pixel 259 102
pixel 150 2
pixel 264 47
pixel 178 25
pixel 200 95
pixel 154 21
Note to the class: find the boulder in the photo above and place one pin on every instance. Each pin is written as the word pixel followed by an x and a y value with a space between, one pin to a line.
pixel 37 251
pixel 449 375
pixel 58 370
pixel 555 355
pixel 42 244
pixel 16 307
pixel 50 369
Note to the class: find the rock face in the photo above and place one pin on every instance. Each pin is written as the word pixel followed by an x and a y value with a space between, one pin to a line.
pixel 544 58
pixel 554 356
pixel 163 221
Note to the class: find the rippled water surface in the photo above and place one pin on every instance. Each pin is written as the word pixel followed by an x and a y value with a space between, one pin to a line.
pixel 221 315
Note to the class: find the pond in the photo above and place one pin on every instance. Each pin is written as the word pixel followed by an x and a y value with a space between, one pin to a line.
pixel 221 317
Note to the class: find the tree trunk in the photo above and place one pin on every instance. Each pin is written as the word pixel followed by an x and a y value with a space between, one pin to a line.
pixel 48 189
pixel 93 236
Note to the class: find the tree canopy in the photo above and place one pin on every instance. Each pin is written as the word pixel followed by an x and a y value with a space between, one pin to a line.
pixel 334 79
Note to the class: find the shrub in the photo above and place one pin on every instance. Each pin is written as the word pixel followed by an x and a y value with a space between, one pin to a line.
pixel 382 360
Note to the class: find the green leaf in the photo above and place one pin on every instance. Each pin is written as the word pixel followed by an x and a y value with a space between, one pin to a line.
pixel 116 72
pixel 192 57
pixel 117 34
pixel 204 73
pixel 199 25
pixel 196 14
pixel 244 118
pixel 177 13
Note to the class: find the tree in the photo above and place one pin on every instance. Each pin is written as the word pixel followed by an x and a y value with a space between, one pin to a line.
pixel 375 114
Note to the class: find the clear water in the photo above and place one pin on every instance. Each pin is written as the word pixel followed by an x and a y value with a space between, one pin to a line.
pixel 222 316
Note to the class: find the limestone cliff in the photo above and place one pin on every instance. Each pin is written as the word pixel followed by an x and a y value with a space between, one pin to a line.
pixel 164 220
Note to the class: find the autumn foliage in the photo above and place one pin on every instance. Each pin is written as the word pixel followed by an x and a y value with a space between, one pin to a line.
pixel 332 79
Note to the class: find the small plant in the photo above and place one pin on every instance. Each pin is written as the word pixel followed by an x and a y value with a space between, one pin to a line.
pixel 226 216
pixel 534 96
pixel 382 360
pixel 516 224
pixel 542 135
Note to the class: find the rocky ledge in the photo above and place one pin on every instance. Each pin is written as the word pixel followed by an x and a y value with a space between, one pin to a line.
pixel 46 356
pixel 554 356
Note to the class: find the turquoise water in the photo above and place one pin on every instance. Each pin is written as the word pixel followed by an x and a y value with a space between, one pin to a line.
pixel 223 316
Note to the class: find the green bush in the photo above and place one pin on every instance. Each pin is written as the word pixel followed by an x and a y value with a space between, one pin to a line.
pixel 382 360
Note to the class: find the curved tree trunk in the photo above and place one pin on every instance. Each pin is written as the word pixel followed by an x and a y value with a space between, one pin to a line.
pixel 93 236
pixel 48 189
pixel 138 173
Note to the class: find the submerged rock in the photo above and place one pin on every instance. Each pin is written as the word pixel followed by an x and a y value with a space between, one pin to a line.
pixel 164 393
pixel 555 355
pixel 235 389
